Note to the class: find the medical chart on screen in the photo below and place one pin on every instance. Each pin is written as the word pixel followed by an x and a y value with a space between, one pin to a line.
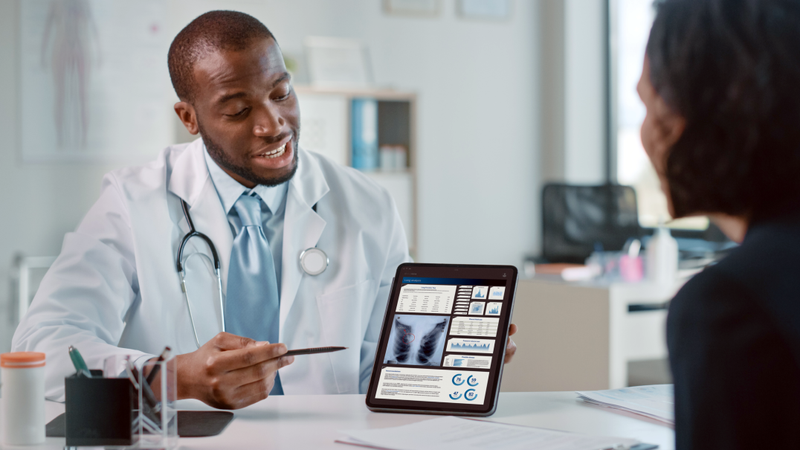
pixel 443 342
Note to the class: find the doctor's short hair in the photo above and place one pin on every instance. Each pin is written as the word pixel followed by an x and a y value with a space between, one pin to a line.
pixel 731 68
pixel 208 33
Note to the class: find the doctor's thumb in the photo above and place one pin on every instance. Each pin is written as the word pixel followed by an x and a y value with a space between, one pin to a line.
pixel 286 360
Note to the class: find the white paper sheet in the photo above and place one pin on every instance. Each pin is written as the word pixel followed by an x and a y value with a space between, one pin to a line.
pixel 452 433
pixel 656 401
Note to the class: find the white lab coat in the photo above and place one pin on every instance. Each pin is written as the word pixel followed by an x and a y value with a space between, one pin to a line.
pixel 114 288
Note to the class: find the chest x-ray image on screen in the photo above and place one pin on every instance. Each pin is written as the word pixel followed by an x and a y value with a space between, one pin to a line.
pixel 417 340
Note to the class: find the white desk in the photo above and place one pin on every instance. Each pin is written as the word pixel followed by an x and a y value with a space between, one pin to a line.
pixel 313 422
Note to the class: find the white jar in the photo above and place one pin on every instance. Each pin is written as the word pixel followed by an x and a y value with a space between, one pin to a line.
pixel 22 375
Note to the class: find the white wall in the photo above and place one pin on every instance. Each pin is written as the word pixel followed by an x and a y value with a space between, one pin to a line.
pixel 479 126
pixel 585 110
pixel 573 91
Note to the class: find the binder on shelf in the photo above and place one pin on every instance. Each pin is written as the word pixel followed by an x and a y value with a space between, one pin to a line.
pixel 365 134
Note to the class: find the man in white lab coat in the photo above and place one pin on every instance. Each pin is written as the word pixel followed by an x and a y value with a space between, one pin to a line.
pixel 115 290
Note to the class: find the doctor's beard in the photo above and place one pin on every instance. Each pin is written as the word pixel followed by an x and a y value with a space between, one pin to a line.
pixel 221 158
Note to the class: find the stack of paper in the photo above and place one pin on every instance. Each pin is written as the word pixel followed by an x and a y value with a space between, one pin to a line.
pixel 656 401
pixel 452 433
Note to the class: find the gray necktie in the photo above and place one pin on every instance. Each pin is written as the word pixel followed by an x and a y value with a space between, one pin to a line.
pixel 252 304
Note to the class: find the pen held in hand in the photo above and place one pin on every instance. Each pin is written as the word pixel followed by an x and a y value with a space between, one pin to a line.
pixel 309 351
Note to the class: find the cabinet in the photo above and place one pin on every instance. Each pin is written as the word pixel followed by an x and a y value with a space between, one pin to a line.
pixel 581 336
pixel 326 127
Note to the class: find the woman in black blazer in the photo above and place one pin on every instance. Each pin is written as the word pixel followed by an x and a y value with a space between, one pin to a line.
pixel 721 85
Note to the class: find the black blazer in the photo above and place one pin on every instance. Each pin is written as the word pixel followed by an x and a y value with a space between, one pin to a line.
pixel 733 333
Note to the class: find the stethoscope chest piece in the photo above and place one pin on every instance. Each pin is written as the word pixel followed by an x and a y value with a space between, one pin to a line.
pixel 314 261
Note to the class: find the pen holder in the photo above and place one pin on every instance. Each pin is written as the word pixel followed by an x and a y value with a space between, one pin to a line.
pixel 157 426
pixel 99 411
pixel 152 421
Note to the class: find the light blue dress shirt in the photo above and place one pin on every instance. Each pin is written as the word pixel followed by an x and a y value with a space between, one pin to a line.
pixel 273 200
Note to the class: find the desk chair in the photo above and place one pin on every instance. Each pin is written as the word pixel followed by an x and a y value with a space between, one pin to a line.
pixel 576 218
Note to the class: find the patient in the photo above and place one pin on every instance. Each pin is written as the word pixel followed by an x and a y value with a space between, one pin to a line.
pixel 721 85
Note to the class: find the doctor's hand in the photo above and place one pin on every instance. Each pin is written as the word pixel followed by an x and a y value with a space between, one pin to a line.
pixel 229 371
pixel 511 347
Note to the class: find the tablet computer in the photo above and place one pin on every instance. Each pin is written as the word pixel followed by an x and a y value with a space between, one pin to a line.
pixel 443 340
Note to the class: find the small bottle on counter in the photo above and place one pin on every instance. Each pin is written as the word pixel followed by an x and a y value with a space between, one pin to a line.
pixel 662 257
pixel 22 415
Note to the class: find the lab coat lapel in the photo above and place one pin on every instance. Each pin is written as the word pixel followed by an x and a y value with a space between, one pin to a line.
pixel 302 227
pixel 191 182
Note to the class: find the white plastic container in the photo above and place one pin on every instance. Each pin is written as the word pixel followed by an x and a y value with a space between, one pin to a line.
pixel 662 257
pixel 22 416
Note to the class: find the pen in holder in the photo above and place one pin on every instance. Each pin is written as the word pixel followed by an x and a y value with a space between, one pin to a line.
pixel 164 387
pixel 154 421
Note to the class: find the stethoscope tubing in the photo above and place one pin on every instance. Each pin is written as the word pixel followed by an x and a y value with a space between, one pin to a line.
pixel 181 267
pixel 194 233
pixel 182 270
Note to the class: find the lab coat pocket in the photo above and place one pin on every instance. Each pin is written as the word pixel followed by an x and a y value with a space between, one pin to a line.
pixel 345 315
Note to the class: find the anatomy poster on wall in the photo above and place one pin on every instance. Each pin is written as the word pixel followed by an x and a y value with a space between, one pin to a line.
pixel 94 80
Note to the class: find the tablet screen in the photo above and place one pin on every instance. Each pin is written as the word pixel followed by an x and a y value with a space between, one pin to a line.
pixel 444 338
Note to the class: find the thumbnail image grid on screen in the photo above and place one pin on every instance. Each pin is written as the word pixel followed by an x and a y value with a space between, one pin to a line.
pixel 446 325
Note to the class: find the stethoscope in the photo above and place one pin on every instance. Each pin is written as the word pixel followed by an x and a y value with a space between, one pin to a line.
pixel 313 261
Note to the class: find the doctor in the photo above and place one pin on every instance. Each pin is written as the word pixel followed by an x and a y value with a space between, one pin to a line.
pixel 262 201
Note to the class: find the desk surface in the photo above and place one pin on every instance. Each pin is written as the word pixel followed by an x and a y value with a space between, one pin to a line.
pixel 314 422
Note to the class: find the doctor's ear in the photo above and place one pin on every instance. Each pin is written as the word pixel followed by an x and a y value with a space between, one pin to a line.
pixel 186 113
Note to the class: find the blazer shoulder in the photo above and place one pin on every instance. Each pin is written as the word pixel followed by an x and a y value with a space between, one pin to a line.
pixel 713 280
pixel 764 262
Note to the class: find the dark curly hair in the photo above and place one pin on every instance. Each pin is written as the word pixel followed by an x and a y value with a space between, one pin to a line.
pixel 210 32
pixel 731 68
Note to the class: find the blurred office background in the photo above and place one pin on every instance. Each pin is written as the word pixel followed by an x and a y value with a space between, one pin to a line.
pixel 510 95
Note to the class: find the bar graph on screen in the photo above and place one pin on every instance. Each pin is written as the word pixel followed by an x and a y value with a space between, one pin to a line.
pixel 493 308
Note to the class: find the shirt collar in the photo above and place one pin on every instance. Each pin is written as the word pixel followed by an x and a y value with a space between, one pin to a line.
pixel 229 190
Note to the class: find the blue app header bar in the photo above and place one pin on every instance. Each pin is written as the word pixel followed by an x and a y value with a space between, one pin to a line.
pixel 452 281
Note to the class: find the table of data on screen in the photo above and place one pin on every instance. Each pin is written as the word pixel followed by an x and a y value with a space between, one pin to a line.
pixel 423 298
pixel 474 326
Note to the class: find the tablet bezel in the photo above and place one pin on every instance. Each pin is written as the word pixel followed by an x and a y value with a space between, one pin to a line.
pixel 465 271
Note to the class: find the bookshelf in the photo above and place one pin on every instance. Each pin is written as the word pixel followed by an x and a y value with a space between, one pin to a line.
pixel 327 127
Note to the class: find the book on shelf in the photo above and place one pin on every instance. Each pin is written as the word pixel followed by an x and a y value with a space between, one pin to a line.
pixel 365 134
